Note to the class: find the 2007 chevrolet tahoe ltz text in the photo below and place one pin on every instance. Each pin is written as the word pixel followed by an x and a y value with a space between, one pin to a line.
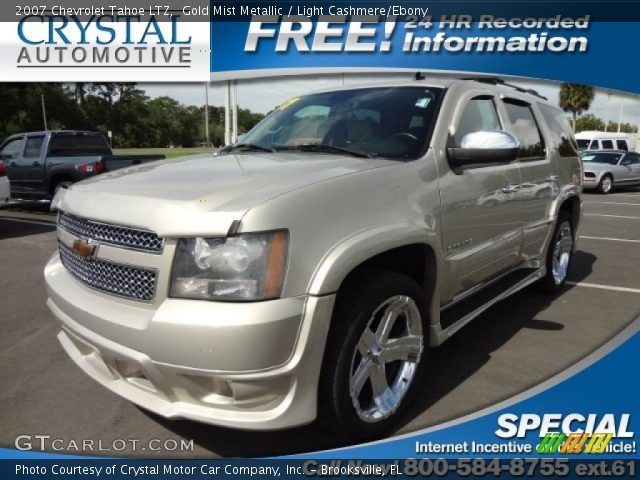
pixel 306 270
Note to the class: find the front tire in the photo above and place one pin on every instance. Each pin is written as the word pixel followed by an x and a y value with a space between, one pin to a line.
pixel 375 353
pixel 606 184
pixel 559 255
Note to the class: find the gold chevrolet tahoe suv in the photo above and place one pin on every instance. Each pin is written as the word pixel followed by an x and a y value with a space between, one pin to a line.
pixel 306 270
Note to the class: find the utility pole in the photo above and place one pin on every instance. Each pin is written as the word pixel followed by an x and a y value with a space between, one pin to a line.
pixel 44 112
pixel 227 114
pixel 621 114
pixel 206 115
pixel 234 112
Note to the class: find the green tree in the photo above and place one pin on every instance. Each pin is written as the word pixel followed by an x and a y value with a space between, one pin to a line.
pixel 575 99
pixel 589 122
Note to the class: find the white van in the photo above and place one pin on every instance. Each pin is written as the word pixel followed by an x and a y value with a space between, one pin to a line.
pixel 593 140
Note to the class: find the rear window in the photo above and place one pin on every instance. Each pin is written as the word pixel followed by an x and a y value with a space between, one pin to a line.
pixel 622 145
pixel 78 145
pixel 607 144
pixel 601 157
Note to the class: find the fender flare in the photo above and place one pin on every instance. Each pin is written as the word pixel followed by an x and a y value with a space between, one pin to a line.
pixel 352 251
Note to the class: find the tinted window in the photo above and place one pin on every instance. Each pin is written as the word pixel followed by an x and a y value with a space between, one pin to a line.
pixel 11 148
pixel 601 157
pixel 622 145
pixel 633 158
pixel 386 122
pixel 78 145
pixel 607 144
pixel 561 133
pixel 582 144
pixel 525 129
pixel 33 147
pixel 478 115
pixel 594 145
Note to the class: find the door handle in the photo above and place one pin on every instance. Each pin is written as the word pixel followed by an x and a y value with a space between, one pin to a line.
pixel 36 163
pixel 553 178
pixel 510 188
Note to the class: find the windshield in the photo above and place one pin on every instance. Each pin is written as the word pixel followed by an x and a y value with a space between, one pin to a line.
pixel 583 144
pixel 389 122
pixel 610 158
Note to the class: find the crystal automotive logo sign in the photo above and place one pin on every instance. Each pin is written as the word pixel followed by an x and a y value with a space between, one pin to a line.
pixel 108 47
pixel 572 433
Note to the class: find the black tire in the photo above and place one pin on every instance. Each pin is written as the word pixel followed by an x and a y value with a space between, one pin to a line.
pixel 551 283
pixel 606 184
pixel 361 295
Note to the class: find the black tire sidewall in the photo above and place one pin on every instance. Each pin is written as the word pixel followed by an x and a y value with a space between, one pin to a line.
pixel 550 283
pixel 350 423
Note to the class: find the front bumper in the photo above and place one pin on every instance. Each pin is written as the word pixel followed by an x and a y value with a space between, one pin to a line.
pixel 240 365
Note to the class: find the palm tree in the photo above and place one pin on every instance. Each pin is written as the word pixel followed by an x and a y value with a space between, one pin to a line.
pixel 575 98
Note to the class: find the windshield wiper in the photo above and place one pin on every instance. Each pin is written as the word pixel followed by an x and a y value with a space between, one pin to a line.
pixel 322 147
pixel 249 147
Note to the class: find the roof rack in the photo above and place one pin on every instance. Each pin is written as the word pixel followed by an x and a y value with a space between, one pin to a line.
pixel 499 81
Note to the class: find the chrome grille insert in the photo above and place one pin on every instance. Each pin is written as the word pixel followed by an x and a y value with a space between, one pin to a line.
pixel 126 237
pixel 125 281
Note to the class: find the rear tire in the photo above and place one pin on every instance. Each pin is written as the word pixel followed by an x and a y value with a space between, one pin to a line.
pixel 375 354
pixel 559 255
pixel 606 184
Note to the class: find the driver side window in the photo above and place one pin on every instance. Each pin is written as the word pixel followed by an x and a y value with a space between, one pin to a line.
pixel 479 114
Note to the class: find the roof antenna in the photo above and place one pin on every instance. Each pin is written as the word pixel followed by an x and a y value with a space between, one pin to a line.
pixel 419 76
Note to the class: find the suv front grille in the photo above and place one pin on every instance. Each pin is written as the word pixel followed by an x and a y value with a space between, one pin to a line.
pixel 125 281
pixel 125 237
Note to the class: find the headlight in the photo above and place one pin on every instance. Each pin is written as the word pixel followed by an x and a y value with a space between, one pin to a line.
pixel 245 267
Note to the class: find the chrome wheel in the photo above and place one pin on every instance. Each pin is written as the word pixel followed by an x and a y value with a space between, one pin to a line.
pixel 386 359
pixel 606 184
pixel 562 252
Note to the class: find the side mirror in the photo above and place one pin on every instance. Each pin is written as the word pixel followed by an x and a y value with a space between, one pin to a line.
pixel 484 147
pixel 625 162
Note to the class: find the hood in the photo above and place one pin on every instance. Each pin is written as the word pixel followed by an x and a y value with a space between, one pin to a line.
pixel 200 194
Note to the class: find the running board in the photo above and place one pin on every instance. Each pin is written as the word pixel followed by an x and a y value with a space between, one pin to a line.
pixel 457 316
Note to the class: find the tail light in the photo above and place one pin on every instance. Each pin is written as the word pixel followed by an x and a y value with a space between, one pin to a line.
pixel 97 167
pixel 3 172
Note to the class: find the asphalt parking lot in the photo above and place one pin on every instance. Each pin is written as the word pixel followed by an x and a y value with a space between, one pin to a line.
pixel 514 345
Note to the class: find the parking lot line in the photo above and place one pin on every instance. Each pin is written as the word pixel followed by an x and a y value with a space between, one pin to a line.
pixel 611 216
pixel 612 203
pixel 609 239
pixel 604 287
pixel 35 222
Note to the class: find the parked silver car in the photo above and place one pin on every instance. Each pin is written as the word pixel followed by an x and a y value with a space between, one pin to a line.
pixel 307 270
pixel 604 171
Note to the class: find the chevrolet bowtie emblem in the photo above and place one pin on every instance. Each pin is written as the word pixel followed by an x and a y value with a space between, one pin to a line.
pixel 84 248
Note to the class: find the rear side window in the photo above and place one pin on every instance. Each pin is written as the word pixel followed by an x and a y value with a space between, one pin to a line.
pixel 78 145
pixel 479 114
pixel 622 145
pixel 561 133
pixel 607 144
pixel 525 129
pixel 33 147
